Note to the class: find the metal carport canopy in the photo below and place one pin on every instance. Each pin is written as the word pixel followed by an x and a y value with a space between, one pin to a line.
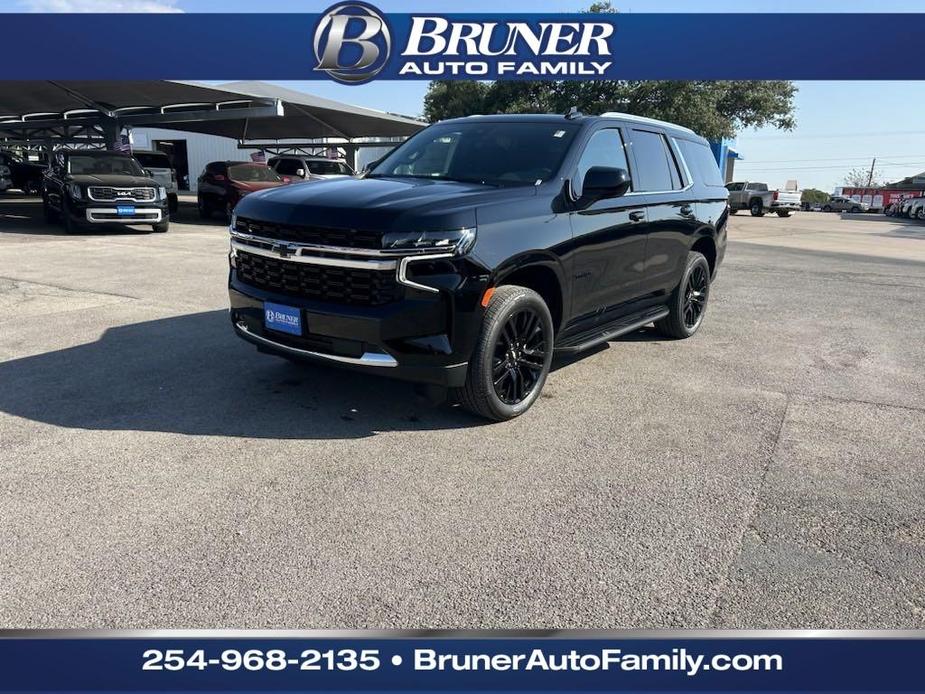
pixel 44 109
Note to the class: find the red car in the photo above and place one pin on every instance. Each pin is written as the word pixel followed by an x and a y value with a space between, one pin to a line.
pixel 223 184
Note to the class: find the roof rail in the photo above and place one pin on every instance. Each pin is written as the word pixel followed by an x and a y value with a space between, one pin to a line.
pixel 643 119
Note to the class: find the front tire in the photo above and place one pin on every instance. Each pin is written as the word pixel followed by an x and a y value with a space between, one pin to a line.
pixel 783 213
pixel 70 226
pixel 161 227
pixel 51 215
pixel 855 210
pixel 205 210
pixel 513 355
pixel 688 303
pixel 827 208
pixel 757 209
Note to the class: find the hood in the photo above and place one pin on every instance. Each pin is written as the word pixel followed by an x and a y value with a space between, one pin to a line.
pixel 374 204
pixel 116 180
pixel 252 186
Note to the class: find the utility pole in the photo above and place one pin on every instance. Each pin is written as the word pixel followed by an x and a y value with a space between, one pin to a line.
pixel 870 176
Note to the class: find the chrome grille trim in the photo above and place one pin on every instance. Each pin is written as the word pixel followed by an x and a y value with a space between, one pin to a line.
pixel 118 194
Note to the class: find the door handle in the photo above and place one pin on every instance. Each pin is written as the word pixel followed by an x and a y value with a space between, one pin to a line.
pixel 637 215
pixel 687 210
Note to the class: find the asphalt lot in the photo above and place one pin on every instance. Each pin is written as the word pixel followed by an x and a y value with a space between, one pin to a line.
pixel 157 472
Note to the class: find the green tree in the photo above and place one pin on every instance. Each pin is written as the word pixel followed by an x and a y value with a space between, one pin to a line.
pixel 714 109
pixel 862 178
pixel 814 196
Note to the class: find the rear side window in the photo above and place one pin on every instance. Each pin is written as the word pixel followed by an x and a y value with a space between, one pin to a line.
pixel 605 148
pixel 702 164
pixel 656 169
pixel 288 167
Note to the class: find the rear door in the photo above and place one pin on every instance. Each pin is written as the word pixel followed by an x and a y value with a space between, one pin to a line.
pixel 609 235
pixel 671 208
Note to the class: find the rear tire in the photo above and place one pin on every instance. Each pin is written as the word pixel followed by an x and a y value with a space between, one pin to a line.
pixel 827 208
pixel 688 304
pixel 733 210
pixel 757 208
pixel 512 357
pixel 51 215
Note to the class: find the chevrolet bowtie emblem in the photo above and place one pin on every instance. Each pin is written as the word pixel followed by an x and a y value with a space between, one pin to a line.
pixel 284 249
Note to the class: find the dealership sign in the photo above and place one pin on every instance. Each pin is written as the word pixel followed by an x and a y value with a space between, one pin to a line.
pixel 353 44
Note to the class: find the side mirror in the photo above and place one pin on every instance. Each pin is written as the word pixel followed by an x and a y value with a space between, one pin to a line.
pixel 603 182
pixel 148 173
pixel 300 173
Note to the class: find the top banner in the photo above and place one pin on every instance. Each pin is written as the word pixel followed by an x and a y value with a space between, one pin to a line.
pixel 354 43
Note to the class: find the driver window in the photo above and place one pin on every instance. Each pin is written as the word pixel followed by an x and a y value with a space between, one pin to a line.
pixel 605 148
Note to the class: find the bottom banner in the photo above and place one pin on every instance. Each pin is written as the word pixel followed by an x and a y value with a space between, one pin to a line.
pixel 104 661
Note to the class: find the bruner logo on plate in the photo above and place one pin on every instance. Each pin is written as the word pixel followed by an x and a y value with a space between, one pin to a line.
pixel 352 42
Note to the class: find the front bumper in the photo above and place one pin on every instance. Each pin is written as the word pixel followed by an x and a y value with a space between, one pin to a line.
pixel 423 337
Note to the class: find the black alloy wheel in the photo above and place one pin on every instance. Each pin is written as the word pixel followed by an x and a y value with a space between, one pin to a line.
pixel 519 357
pixel 688 303
pixel 512 356
pixel 695 297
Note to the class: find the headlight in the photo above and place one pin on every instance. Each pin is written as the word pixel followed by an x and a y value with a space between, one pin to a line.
pixel 73 190
pixel 458 241
pixel 162 191
pixel 4 171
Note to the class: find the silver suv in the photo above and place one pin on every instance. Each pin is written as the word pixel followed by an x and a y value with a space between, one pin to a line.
pixel 160 168
pixel 294 167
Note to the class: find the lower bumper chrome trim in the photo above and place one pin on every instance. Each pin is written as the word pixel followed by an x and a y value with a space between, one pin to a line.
pixel 368 358
pixel 141 216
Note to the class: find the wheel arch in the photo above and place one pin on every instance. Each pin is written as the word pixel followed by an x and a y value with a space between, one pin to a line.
pixel 705 244
pixel 541 273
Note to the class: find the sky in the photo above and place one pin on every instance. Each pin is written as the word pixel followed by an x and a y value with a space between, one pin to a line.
pixel 840 125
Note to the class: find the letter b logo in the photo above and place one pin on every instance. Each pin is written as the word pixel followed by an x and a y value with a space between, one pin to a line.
pixel 352 42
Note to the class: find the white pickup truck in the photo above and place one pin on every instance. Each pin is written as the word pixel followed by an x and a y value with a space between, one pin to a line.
pixel 755 197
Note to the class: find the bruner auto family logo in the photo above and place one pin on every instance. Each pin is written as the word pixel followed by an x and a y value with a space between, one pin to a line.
pixel 353 44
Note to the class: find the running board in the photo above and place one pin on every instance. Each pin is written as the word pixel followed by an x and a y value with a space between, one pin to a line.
pixel 603 333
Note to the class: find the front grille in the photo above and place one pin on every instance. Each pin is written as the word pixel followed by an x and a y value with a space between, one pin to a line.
pixel 106 193
pixel 320 236
pixel 326 283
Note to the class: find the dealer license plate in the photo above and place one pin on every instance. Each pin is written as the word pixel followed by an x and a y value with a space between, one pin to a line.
pixel 285 319
pixel 125 210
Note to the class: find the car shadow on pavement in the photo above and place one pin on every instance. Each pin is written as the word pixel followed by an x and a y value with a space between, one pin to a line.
pixel 189 374
pixel 22 215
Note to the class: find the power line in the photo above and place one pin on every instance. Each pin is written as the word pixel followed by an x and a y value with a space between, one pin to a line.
pixel 789 161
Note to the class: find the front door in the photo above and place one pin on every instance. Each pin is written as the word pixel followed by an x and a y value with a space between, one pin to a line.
pixel 609 236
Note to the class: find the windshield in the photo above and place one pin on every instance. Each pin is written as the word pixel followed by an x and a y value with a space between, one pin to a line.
pixel 153 161
pixel 114 164
pixel 328 168
pixel 252 173
pixel 493 153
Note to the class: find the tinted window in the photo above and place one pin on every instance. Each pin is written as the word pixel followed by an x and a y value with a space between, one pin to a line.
pixel 151 160
pixel 216 167
pixel 329 168
pixel 252 173
pixel 103 165
pixel 758 186
pixel 605 148
pixel 732 187
pixel 490 152
pixel 288 167
pixel 654 162
pixel 702 164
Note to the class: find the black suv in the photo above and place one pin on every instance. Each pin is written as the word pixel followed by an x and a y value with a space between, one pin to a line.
pixel 480 247
pixel 99 187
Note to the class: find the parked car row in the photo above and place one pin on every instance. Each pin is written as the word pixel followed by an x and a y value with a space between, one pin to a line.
pixel 911 208
pixel 24 175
